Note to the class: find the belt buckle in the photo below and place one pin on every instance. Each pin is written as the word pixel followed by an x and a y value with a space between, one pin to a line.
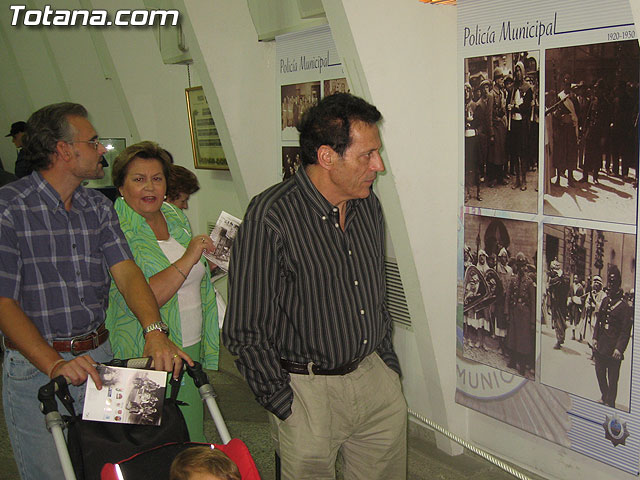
pixel 93 336
pixel 72 346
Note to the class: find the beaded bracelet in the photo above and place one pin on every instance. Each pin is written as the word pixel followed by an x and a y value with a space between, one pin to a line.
pixel 54 366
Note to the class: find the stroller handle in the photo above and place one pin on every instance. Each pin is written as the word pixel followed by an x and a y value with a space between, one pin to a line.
pixel 47 393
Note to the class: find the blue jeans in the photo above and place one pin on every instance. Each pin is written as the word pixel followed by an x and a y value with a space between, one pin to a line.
pixel 33 446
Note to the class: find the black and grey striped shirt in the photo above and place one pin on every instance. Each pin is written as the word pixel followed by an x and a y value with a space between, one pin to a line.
pixel 302 289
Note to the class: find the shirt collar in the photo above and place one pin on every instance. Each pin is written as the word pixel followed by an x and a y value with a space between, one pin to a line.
pixel 137 221
pixel 52 198
pixel 128 215
pixel 317 201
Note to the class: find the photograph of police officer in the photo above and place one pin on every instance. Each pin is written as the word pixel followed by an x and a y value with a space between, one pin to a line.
pixel 498 293
pixel 591 131
pixel 501 110
pixel 587 313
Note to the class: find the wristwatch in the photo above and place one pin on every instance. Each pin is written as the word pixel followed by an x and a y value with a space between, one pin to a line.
pixel 156 326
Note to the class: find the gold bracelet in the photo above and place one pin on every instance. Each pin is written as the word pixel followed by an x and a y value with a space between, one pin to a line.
pixel 181 272
pixel 54 366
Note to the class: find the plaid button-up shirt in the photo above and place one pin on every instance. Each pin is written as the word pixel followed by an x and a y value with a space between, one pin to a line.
pixel 54 262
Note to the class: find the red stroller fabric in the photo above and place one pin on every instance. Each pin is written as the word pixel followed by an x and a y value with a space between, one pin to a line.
pixel 156 462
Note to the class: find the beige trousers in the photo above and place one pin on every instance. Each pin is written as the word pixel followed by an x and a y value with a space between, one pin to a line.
pixel 362 414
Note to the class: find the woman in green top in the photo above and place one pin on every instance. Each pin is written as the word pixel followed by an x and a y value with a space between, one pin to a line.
pixel 160 239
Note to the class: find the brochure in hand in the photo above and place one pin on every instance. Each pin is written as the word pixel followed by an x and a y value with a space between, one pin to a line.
pixel 128 395
pixel 223 235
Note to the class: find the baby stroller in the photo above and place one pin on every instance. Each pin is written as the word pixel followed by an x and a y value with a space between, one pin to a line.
pixel 109 451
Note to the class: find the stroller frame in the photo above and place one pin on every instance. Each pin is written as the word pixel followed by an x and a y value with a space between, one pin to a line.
pixel 58 386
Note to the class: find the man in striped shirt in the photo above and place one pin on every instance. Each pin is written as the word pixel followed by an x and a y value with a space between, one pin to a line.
pixel 307 315
pixel 58 244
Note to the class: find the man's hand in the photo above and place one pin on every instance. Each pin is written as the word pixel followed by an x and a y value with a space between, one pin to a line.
pixel 166 355
pixel 617 354
pixel 77 370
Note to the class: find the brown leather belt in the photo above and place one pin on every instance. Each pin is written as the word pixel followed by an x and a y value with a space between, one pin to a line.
pixel 303 369
pixel 75 345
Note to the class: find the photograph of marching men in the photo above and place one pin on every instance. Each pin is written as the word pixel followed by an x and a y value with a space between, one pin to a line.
pixel 290 161
pixel 587 313
pixel 129 395
pixel 591 131
pixel 499 293
pixel 501 111
pixel 295 100
pixel 336 85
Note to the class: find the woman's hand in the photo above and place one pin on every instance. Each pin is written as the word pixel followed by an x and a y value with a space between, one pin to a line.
pixel 197 246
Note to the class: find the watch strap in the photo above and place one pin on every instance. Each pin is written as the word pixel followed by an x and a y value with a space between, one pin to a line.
pixel 160 325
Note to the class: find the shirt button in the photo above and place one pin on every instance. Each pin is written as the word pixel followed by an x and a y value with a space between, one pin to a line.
pixel 73 246
pixel 335 209
pixel 365 341
pixel 78 272
pixel 337 225
pixel 349 252
pixel 82 300
pixel 324 218
pixel 362 312
pixel 355 283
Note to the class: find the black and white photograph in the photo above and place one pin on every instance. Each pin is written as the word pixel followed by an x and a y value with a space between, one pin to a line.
pixel 336 85
pixel 223 235
pixel 501 112
pixel 591 131
pixel 290 161
pixel 128 395
pixel 587 313
pixel 499 293
pixel 295 100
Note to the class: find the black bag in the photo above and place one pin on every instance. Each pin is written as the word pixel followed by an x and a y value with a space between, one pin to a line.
pixel 92 444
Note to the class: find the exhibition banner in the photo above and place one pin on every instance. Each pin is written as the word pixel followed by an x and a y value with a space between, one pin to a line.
pixel 309 68
pixel 547 235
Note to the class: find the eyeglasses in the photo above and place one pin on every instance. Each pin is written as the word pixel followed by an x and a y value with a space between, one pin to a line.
pixel 95 143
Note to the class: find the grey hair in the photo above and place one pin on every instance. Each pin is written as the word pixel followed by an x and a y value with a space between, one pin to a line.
pixel 45 128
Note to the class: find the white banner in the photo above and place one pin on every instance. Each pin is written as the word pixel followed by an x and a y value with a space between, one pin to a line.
pixel 547 246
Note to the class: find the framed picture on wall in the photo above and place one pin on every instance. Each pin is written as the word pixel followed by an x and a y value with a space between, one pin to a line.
pixel 205 141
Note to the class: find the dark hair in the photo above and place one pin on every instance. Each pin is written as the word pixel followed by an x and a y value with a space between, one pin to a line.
pixel 329 123
pixel 181 180
pixel 203 460
pixel 147 150
pixel 45 128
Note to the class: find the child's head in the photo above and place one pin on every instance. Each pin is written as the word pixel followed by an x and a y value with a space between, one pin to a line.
pixel 203 463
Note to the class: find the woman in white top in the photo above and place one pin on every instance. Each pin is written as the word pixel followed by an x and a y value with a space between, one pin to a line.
pixel 171 259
